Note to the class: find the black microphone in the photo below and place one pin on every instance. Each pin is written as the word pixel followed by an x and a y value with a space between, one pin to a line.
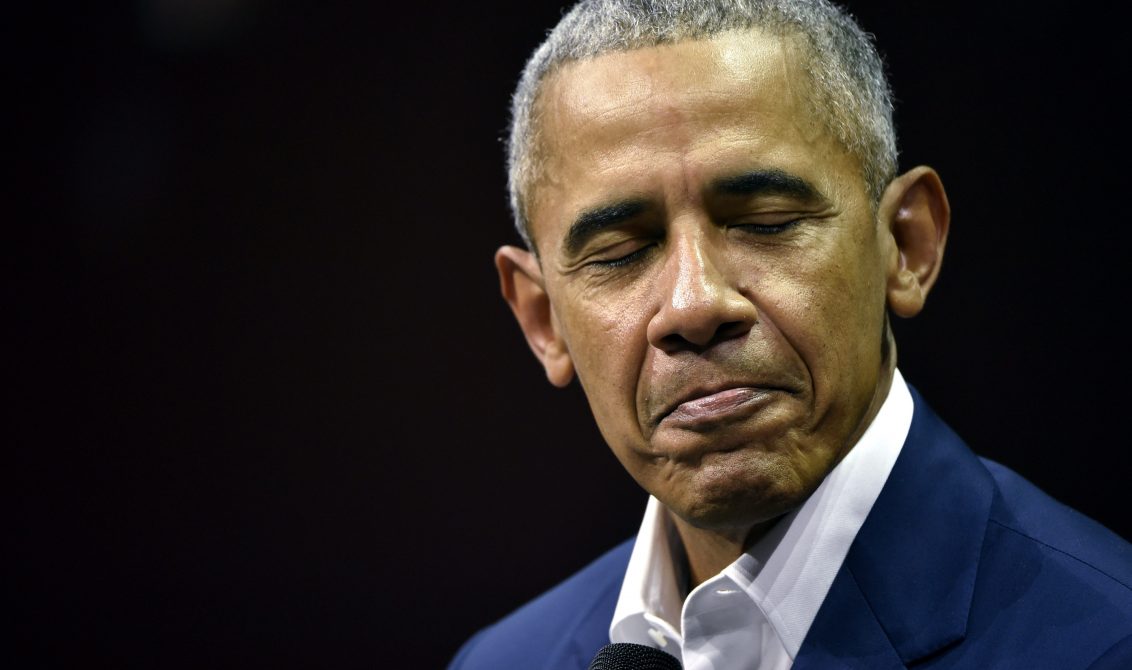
pixel 629 656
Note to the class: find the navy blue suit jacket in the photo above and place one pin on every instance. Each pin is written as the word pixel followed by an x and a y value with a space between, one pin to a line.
pixel 960 564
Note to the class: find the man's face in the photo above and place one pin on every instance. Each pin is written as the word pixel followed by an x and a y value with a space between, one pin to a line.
pixel 714 269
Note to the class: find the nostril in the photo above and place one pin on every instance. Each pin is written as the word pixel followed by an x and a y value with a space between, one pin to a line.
pixel 672 343
pixel 731 329
pixel 685 341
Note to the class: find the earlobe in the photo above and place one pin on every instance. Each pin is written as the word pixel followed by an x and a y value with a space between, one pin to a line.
pixel 916 210
pixel 521 281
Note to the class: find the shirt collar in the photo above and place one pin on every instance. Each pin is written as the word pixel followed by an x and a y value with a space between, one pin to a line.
pixel 788 572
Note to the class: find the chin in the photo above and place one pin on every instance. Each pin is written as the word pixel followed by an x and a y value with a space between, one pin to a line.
pixel 736 496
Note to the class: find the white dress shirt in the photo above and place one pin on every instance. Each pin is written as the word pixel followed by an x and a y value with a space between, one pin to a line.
pixel 755 614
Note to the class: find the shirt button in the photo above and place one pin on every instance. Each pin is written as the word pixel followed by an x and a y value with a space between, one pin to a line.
pixel 659 637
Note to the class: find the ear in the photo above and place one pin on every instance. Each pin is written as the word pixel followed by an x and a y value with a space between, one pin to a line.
pixel 914 208
pixel 520 279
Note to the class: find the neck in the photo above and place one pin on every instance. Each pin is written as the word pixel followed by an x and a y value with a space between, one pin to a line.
pixel 709 551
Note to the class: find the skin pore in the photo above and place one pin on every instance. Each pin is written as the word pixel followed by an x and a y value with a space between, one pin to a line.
pixel 714 272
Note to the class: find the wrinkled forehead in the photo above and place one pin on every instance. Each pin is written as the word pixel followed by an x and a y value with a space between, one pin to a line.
pixel 606 82
pixel 742 81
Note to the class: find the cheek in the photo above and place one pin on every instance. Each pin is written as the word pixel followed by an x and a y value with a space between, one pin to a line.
pixel 608 345
pixel 852 336
pixel 830 313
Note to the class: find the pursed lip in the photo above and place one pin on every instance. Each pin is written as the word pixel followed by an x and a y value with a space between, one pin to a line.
pixel 703 406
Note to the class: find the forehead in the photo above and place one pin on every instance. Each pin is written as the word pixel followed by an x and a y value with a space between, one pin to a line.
pixel 692 73
pixel 611 124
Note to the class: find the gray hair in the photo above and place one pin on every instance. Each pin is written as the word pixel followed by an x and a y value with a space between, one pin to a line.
pixel 848 80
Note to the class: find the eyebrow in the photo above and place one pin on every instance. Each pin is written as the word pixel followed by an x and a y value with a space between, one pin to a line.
pixel 754 183
pixel 767 182
pixel 593 221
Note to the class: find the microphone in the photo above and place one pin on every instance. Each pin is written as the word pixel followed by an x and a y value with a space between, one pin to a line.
pixel 629 656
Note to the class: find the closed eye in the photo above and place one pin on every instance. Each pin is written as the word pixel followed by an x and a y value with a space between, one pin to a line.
pixel 767 228
pixel 623 260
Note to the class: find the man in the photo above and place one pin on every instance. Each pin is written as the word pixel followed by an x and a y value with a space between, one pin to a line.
pixel 716 237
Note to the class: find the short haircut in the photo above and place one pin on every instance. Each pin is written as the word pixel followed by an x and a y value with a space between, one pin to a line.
pixel 848 82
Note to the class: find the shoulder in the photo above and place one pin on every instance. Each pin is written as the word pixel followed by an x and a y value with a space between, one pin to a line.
pixel 962 552
pixel 1024 510
pixel 562 628
pixel 1018 511
pixel 1053 584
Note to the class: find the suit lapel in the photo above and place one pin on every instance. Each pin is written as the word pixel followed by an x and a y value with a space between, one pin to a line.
pixel 845 633
pixel 905 588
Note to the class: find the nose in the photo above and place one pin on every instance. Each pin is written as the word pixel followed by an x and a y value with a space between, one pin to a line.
pixel 700 304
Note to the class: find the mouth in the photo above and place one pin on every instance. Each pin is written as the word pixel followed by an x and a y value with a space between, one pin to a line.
pixel 704 408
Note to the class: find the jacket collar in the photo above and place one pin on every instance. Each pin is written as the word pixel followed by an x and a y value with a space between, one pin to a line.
pixel 905 588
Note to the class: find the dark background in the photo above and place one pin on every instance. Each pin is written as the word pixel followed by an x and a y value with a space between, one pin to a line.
pixel 267 407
